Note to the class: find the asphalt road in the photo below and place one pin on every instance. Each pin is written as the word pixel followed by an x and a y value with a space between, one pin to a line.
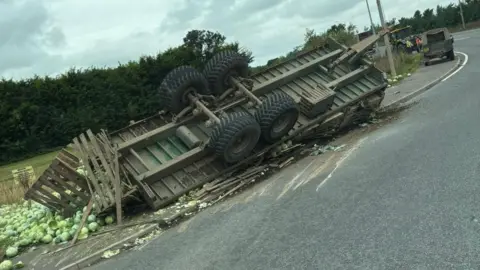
pixel 406 197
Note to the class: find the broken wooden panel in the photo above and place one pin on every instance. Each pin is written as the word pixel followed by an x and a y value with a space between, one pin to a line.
pixel 61 187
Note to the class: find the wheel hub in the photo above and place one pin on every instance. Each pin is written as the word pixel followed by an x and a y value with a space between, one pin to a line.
pixel 281 123
pixel 241 142
pixel 185 99
pixel 230 74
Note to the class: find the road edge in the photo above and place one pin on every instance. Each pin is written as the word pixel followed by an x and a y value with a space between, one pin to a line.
pixel 87 260
pixel 424 88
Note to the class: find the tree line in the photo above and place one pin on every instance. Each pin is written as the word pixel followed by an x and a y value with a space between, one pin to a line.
pixel 440 16
pixel 43 113
pixel 40 114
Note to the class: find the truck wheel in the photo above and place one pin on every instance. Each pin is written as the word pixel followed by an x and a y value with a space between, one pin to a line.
pixel 163 85
pixel 222 67
pixel 178 84
pixel 235 137
pixel 277 115
pixel 451 55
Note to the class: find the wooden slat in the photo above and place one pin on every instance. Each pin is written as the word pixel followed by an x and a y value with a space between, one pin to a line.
pixel 34 196
pixel 61 192
pixel 50 173
pixel 111 155
pixel 105 188
pixel 94 181
pixel 82 223
pixel 66 158
pixel 106 166
pixel 74 178
pixel 39 194
pixel 118 190
pixel 70 155
pixel 67 166
pixel 55 199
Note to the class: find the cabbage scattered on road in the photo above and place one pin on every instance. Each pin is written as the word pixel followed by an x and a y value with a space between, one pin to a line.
pixel 23 225
pixel 6 265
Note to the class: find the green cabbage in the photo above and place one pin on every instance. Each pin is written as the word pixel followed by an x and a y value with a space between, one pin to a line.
pixel 109 220
pixel 91 218
pixel 93 227
pixel 11 251
pixel 6 265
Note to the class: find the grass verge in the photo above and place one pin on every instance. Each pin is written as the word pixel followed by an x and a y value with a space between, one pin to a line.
pixel 405 65
pixel 11 192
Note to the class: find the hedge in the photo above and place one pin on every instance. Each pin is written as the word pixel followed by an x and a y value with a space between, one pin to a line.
pixel 44 113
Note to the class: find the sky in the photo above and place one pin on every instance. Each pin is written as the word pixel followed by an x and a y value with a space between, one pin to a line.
pixel 47 37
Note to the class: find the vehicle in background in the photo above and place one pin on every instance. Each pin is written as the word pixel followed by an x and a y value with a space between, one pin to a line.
pixel 403 40
pixel 437 43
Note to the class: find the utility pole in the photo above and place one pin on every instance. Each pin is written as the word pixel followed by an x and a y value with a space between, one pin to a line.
pixel 386 39
pixel 371 22
pixel 461 14
pixel 370 15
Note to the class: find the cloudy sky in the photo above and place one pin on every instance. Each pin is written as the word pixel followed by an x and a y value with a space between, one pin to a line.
pixel 48 36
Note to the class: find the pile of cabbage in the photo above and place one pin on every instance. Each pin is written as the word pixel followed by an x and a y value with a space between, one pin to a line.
pixel 23 225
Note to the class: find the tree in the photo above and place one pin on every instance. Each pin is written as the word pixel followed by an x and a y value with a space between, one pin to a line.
pixel 205 44
pixel 43 113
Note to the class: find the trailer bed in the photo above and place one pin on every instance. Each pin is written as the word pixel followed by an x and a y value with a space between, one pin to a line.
pixel 330 92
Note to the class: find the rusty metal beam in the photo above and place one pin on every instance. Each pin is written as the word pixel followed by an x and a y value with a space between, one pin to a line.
pixel 173 165
pixel 149 137
pixel 349 77
pixel 263 88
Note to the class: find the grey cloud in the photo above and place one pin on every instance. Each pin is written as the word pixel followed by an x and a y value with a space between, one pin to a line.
pixel 105 52
pixel 25 34
pixel 180 18
pixel 224 19
pixel 254 6
pixel 54 37
pixel 242 23
pixel 314 9
pixel 219 16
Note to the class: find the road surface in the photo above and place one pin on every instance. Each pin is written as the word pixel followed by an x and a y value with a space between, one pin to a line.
pixel 407 196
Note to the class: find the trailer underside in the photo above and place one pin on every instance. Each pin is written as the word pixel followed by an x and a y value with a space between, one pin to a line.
pixel 167 155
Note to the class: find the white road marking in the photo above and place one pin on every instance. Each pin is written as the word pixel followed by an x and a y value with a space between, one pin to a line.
pixel 292 182
pixel 316 171
pixel 349 152
pixel 462 38
pixel 460 68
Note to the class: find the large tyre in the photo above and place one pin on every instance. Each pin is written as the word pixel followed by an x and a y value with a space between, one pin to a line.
pixel 277 115
pixel 178 84
pixel 451 55
pixel 235 137
pixel 222 67
pixel 163 86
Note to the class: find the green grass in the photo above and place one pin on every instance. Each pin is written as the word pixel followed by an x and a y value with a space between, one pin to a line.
pixel 11 192
pixel 39 163
pixel 404 64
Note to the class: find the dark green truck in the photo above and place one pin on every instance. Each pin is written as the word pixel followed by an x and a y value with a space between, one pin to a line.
pixel 437 43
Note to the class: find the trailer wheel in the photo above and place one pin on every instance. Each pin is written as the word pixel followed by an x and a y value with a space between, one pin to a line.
pixel 163 86
pixel 222 67
pixel 451 55
pixel 178 84
pixel 235 136
pixel 277 115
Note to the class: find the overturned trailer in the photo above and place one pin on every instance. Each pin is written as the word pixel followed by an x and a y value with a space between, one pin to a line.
pixel 220 120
